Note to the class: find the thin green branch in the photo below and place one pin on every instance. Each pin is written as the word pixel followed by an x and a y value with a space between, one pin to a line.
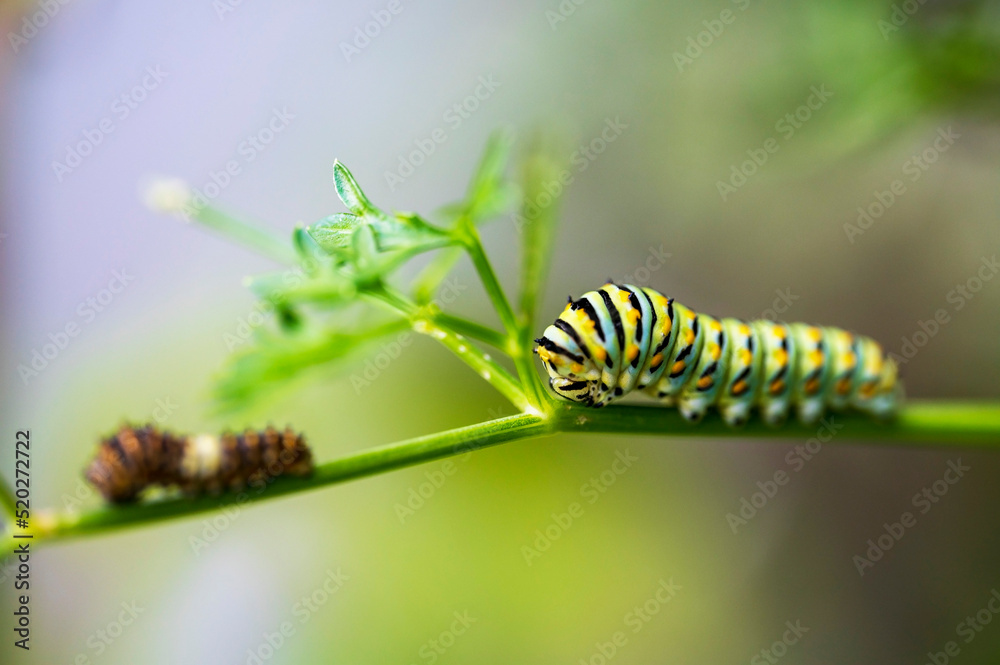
pixel 470 354
pixel 258 239
pixel 930 424
pixel 472 329
pixel 358 465
pixel 926 422
pixel 485 366
pixel 484 268
pixel 516 348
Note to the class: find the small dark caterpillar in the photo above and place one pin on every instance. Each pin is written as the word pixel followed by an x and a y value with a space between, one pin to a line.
pixel 138 457
pixel 622 338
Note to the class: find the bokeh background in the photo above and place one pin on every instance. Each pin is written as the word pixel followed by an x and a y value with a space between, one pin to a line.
pixel 153 350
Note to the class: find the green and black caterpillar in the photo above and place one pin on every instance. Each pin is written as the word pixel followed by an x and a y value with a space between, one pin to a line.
pixel 622 338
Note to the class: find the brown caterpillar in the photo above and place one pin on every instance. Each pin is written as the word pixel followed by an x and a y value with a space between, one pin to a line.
pixel 139 457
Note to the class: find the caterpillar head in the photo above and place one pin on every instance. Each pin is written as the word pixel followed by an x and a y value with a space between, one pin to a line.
pixel 573 374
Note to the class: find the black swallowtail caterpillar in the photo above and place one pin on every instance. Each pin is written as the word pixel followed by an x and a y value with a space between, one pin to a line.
pixel 139 457
pixel 622 338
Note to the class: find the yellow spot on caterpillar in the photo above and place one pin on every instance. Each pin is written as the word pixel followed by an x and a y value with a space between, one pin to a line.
pixel 716 326
pixel 739 387
pixel 848 359
pixel 745 356
pixel 622 296
pixel 714 351
pixel 868 389
pixel 815 334
pixel 816 357
pixel 576 368
pixel 843 386
pixel 665 328
pixel 689 337
pixel 780 333
pixel 744 330
pixel 678 367
pixel 812 386
pixel 634 315
pixel 600 354
pixel 705 382
pixel 656 360
pixel 781 357
pixel 587 324
pixel 777 387
pixel 632 353
pixel 544 353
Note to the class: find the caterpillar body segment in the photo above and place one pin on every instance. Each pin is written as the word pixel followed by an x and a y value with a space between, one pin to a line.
pixel 622 338
pixel 135 458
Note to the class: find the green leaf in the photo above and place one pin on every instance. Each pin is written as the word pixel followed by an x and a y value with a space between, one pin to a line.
pixel 350 192
pixel 333 233
pixel 275 359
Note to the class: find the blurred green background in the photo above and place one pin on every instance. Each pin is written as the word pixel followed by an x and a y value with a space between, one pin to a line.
pixel 686 124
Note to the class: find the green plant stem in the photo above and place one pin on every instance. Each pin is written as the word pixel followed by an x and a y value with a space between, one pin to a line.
pixel 485 366
pixel 515 349
pixel 369 462
pixel 256 238
pixel 472 329
pixel 942 424
pixel 471 355
pixel 958 425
